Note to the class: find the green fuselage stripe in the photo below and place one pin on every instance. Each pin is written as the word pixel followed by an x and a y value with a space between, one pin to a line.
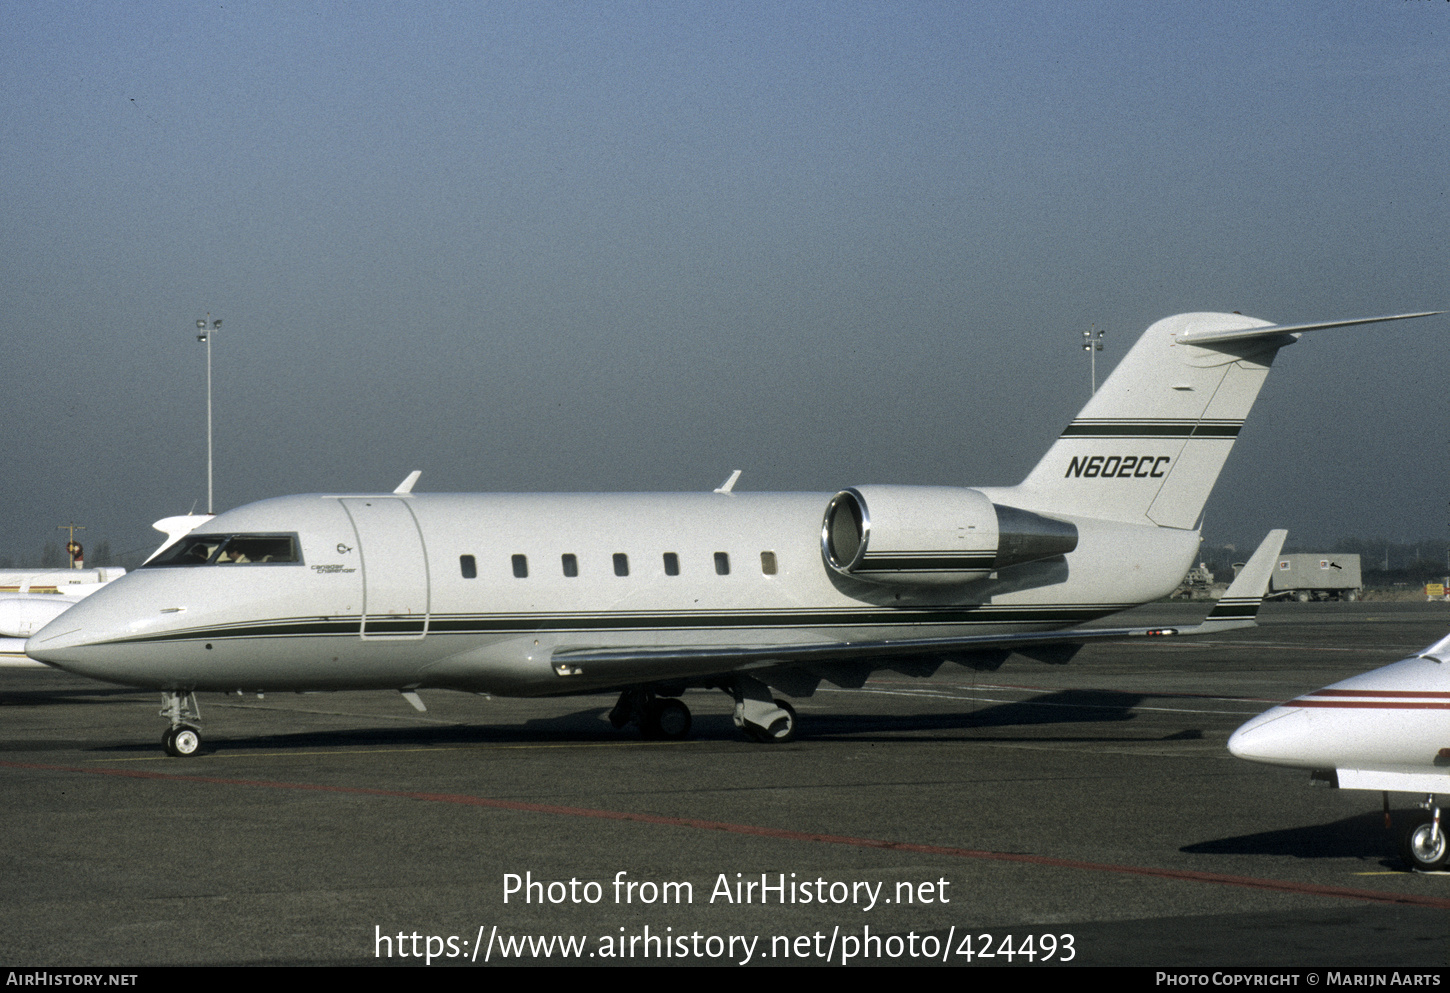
pixel 490 624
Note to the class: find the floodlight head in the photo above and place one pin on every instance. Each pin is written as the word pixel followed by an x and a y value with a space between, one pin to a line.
pixel 200 325
pixel 217 323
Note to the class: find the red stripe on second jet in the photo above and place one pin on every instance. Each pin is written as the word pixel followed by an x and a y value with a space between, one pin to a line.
pixel 1389 694
pixel 1370 704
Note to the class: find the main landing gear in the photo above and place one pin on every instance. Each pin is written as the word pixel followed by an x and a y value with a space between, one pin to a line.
pixel 659 718
pixel 760 716
pixel 183 738
pixel 1423 846
pixel 765 719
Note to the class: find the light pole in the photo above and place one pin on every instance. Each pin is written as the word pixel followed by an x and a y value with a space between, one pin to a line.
pixel 73 547
pixel 1092 343
pixel 204 331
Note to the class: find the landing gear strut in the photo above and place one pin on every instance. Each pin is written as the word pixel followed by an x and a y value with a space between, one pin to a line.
pixel 760 716
pixel 659 718
pixel 1424 845
pixel 765 719
pixel 183 737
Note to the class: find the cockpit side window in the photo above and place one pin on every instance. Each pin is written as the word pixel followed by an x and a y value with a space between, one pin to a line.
pixel 244 549
pixel 231 549
pixel 194 549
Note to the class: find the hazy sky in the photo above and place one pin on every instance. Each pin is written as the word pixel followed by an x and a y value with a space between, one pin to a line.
pixel 613 246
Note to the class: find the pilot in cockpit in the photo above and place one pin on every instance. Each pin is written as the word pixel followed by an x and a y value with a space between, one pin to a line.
pixel 232 554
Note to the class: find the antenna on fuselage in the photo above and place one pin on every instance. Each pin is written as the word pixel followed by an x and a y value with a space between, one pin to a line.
pixel 406 486
pixel 729 484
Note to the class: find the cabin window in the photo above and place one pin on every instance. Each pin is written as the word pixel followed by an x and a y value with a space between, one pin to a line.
pixel 672 564
pixel 521 567
pixel 722 563
pixel 621 564
pixel 571 566
pixel 468 566
pixel 767 563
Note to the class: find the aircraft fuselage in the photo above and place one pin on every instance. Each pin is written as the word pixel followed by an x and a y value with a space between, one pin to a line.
pixel 477 592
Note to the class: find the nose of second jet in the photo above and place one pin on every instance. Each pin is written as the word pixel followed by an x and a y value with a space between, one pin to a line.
pixel 1280 736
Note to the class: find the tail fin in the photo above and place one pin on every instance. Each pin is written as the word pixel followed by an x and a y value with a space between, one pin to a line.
pixel 1149 446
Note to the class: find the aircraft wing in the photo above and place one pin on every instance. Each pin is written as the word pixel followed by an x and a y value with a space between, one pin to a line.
pixel 1237 609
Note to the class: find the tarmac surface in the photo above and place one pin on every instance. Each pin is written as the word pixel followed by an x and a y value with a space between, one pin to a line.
pixel 1088 808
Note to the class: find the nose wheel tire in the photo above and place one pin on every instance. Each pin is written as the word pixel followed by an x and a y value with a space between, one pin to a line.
pixel 181 742
pixel 1423 847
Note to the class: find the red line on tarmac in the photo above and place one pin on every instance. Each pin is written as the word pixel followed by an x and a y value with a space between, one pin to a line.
pixel 1179 875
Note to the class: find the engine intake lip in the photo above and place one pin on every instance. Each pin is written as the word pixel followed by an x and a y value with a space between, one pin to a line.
pixel 846 530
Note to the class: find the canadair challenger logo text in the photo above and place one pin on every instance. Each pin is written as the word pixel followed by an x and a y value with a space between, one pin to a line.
pixel 1118 466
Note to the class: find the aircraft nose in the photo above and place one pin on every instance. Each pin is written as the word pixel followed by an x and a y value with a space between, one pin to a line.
pixel 69 641
pixel 55 647
pixel 1280 736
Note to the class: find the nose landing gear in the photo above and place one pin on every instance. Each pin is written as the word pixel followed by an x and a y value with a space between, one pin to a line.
pixel 183 738
pixel 1424 846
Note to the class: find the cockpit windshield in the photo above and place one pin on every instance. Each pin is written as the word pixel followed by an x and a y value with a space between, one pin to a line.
pixel 231 549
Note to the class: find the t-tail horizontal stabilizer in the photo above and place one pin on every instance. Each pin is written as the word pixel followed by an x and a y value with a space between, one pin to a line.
pixel 1206 336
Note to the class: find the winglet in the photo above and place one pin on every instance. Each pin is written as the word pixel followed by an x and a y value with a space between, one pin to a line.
pixel 1240 602
pixel 406 486
pixel 729 484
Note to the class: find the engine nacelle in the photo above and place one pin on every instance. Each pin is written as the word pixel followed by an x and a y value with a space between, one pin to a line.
pixel 933 535
pixel 24 614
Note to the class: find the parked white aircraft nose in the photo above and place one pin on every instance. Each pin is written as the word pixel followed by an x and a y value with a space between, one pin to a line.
pixel 1391 719
pixel 1280 736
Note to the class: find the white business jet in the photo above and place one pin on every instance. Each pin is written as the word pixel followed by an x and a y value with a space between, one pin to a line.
pixel 649 594
pixel 1383 730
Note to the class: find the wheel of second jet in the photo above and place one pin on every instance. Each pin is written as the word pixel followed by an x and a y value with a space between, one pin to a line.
pixel 1422 847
